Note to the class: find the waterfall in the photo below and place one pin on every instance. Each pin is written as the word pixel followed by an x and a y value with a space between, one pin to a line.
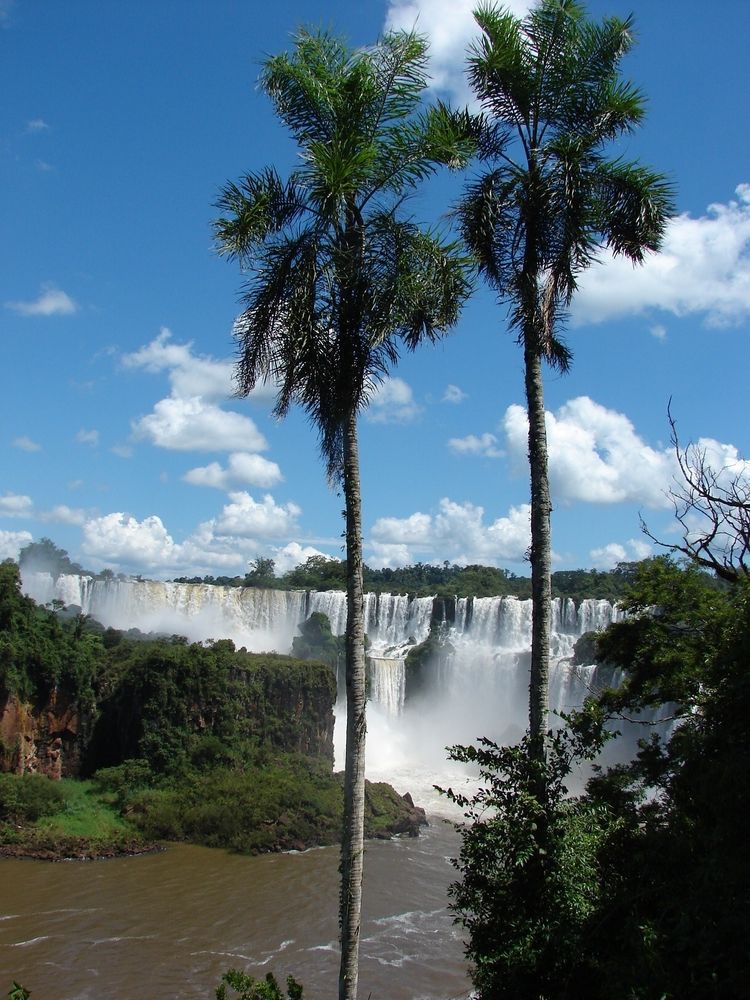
pixel 479 689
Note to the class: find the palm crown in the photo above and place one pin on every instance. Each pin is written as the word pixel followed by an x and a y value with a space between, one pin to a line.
pixel 335 278
pixel 552 98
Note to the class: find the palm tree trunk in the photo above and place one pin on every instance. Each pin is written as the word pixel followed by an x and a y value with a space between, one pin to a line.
pixel 541 559
pixel 352 844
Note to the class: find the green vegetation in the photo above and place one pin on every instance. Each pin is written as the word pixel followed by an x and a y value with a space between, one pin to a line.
pixel 67 818
pixel 181 741
pixel 443 580
pixel 244 987
pixel 640 890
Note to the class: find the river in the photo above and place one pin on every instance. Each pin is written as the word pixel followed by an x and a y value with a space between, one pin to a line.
pixel 168 924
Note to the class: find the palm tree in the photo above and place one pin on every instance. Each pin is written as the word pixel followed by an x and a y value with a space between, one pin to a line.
pixel 336 282
pixel 552 99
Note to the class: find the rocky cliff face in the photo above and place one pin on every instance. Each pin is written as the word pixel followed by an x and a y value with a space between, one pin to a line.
pixel 45 739
pixel 156 699
pixel 296 710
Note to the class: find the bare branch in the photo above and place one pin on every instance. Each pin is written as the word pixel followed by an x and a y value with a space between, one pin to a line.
pixel 713 508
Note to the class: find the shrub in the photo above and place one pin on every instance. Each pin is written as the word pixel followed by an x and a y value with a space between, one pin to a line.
pixel 28 797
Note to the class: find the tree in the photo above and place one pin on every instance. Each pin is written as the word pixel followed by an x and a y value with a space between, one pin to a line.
pixel 712 505
pixel 262 573
pixel 552 100
pixel 644 888
pixel 336 279
pixel 46 557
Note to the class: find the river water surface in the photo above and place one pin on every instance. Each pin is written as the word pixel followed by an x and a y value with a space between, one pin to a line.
pixel 168 924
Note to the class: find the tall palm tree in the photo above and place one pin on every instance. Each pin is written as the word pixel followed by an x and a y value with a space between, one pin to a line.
pixel 336 282
pixel 552 99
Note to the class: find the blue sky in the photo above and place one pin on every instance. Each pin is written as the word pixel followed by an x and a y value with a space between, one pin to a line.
pixel 119 437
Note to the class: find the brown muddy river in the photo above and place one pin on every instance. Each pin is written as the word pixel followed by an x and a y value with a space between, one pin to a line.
pixel 167 925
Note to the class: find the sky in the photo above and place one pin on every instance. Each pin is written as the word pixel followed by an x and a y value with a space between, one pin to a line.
pixel 121 439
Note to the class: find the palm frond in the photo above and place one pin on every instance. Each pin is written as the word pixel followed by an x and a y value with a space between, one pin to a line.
pixel 633 205
pixel 256 208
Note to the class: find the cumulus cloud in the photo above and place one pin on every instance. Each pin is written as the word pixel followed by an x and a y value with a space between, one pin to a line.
pixel 483 444
pixel 703 269
pixel 595 455
pixel 453 394
pixel 288 556
pixel 245 517
pixel 51 301
pixel 188 424
pixel 62 514
pixel 392 403
pixel 190 417
pixel 16 505
pixel 120 538
pixel 458 532
pixel 11 543
pixel 26 444
pixel 449 26
pixel 243 528
pixel 37 125
pixel 242 467
pixel 608 556
pixel 189 374
pixel 122 541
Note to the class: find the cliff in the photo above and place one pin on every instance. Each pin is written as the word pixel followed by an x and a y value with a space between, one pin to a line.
pixel 74 697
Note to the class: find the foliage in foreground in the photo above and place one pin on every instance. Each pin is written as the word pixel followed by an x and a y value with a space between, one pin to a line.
pixel 244 987
pixel 639 889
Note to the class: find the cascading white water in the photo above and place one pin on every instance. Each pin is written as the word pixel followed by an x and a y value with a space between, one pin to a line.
pixel 480 689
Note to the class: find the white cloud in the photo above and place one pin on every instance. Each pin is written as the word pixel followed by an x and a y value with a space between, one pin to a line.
pixel 187 424
pixel 391 555
pixel 16 505
pixel 242 467
pixel 63 514
pixel 190 374
pixel 245 517
pixel 453 394
pixel 243 528
pixel 484 444
pixel 449 26
pixel 37 125
pixel 88 437
pixel 595 455
pixel 457 532
pixel 293 554
pixel 26 444
pixel 189 418
pixel 11 543
pixel 392 403
pixel 120 538
pixel 608 556
pixel 51 301
pixel 658 331
pixel 703 269
pixel 122 450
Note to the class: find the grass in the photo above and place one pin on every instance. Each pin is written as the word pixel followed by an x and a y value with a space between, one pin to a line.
pixel 84 815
